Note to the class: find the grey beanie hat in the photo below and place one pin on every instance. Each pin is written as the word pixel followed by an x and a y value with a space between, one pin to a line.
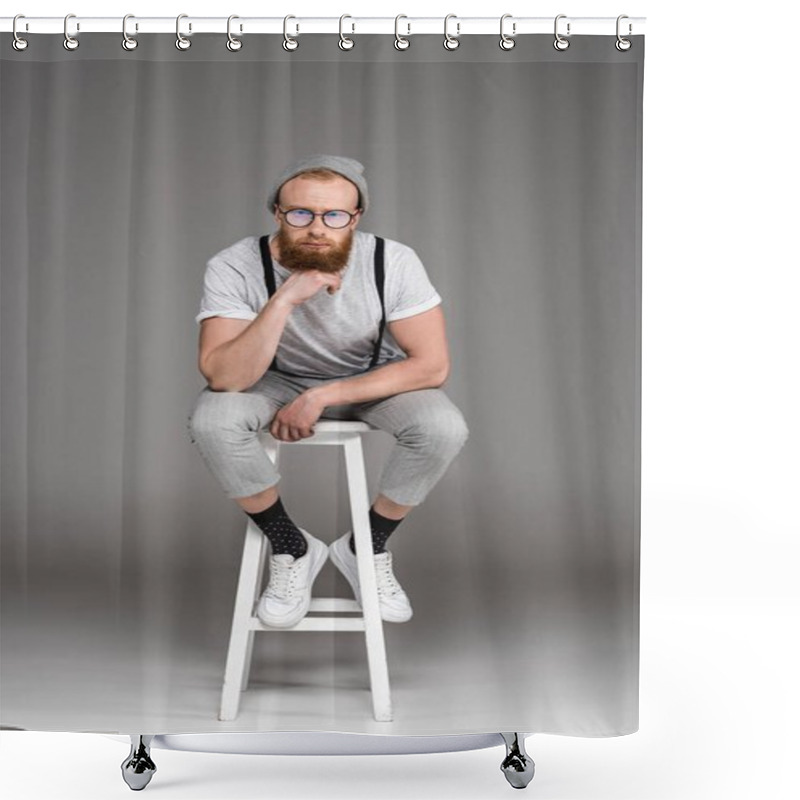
pixel 347 167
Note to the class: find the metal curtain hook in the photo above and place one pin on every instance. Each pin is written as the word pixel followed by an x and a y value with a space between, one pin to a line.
pixel 288 42
pixel 506 41
pixel 400 42
pixel 451 42
pixel 128 42
pixel 233 44
pixel 181 42
pixel 344 42
pixel 18 43
pixel 623 44
pixel 70 43
pixel 561 43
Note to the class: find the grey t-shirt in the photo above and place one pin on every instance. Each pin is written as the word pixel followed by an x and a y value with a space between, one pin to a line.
pixel 327 336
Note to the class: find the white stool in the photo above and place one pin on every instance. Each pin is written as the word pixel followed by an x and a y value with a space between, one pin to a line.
pixel 245 622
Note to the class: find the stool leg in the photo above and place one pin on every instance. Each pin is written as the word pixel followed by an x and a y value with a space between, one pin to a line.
pixel 248 659
pixel 272 446
pixel 373 624
pixel 240 645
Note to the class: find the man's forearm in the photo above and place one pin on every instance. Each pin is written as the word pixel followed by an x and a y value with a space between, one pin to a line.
pixel 400 376
pixel 240 362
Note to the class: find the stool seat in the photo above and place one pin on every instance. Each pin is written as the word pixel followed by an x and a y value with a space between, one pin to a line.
pixel 326 431
pixel 346 433
pixel 343 425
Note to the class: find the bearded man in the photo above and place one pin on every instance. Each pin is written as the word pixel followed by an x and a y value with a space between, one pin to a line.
pixel 322 320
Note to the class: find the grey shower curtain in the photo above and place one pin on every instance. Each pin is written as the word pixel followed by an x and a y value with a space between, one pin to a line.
pixel 516 178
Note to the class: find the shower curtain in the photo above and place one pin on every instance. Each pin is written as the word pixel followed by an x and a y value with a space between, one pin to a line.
pixel 511 180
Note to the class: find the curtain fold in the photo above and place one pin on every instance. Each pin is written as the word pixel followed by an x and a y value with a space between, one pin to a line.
pixel 516 179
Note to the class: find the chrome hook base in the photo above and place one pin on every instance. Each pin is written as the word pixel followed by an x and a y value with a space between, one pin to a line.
pixel 138 768
pixel 517 766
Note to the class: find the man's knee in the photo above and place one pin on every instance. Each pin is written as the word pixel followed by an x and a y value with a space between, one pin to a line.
pixel 455 429
pixel 445 430
pixel 220 413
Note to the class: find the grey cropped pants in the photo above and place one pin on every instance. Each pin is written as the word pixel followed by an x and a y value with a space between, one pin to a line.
pixel 428 427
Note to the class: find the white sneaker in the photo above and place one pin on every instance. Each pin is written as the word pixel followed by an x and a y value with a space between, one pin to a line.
pixel 393 601
pixel 287 598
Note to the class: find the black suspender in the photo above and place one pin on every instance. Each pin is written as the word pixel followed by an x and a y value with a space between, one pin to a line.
pixel 269 279
pixel 379 285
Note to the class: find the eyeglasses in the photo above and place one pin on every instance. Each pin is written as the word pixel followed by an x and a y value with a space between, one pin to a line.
pixel 302 217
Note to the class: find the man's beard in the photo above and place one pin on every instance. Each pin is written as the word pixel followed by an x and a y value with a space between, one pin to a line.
pixel 295 256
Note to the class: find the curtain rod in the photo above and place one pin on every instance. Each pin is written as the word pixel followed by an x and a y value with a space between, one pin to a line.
pixel 512 26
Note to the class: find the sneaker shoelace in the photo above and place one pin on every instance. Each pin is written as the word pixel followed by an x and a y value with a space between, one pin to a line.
pixel 282 577
pixel 387 583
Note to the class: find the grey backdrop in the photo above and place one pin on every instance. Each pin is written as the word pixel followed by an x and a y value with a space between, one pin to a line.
pixel 516 176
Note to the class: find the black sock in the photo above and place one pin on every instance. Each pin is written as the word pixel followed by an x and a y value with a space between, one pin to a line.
pixel 283 534
pixel 382 528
